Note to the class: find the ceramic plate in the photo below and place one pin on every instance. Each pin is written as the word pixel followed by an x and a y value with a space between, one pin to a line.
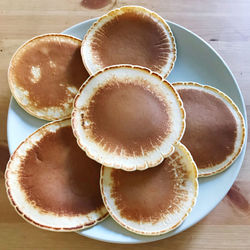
pixel 196 61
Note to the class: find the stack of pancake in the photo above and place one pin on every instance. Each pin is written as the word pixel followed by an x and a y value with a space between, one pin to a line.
pixel 122 140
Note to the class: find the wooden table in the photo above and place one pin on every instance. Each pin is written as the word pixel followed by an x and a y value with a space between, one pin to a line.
pixel 225 24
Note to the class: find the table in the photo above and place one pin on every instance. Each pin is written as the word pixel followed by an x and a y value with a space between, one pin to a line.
pixel 225 24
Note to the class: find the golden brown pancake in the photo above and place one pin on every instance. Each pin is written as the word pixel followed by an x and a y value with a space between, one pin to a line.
pixel 215 127
pixel 153 201
pixel 127 117
pixel 129 35
pixel 45 73
pixel 52 183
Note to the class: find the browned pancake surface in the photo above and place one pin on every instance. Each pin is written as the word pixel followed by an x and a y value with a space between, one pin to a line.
pixel 58 177
pixel 127 115
pixel 210 128
pixel 148 195
pixel 59 65
pixel 131 38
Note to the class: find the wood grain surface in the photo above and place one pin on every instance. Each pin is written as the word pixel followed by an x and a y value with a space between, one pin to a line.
pixel 225 24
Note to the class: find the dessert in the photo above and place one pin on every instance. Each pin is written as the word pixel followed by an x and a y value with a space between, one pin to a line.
pixel 52 183
pixel 45 74
pixel 129 35
pixel 127 117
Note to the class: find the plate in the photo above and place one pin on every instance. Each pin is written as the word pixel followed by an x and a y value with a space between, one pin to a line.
pixel 196 61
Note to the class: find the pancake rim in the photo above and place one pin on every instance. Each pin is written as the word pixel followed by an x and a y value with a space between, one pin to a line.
pixel 114 12
pixel 226 99
pixel 193 202
pixel 12 84
pixel 126 168
pixel 57 125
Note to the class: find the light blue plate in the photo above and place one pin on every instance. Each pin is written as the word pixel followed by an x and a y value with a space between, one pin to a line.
pixel 196 61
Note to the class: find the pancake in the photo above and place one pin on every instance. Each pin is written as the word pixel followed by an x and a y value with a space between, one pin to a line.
pixel 215 128
pixel 153 201
pixel 129 35
pixel 127 117
pixel 45 74
pixel 52 183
